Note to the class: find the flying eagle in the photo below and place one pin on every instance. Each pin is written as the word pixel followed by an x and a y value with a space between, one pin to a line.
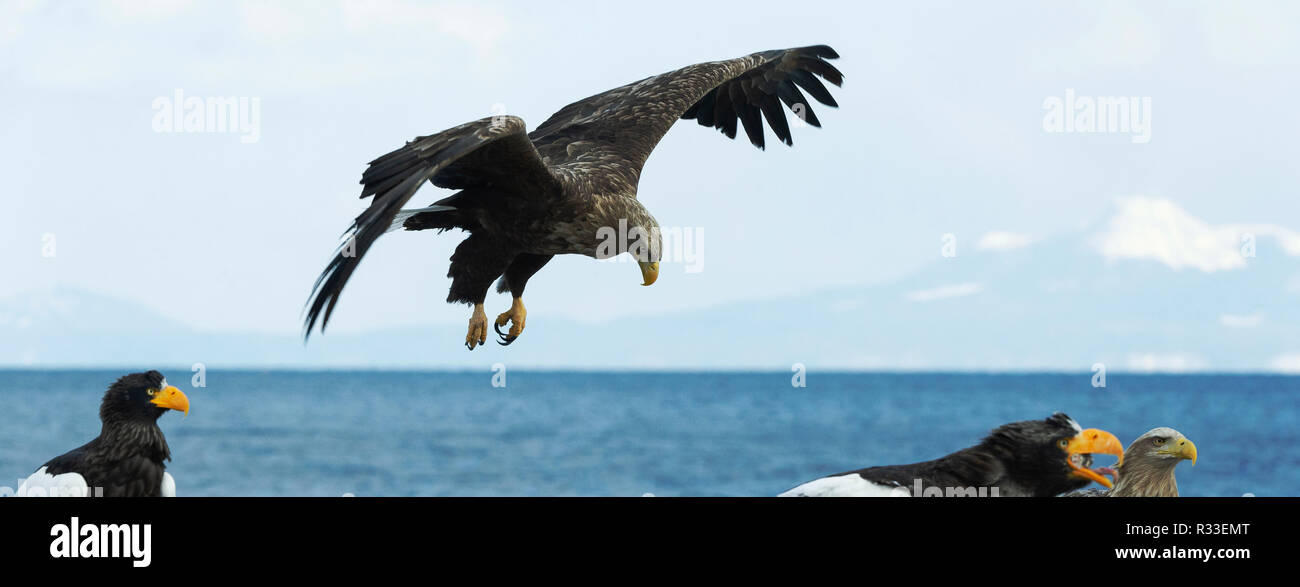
pixel 1148 466
pixel 127 458
pixel 1034 458
pixel 571 183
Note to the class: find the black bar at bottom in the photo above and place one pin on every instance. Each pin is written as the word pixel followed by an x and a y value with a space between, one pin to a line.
pixel 663 533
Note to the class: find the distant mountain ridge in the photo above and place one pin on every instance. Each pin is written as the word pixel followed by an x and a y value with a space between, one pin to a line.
pixel 1003 303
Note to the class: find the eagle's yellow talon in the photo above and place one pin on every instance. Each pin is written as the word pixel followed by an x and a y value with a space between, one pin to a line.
pixel 477 334
pixel 516 316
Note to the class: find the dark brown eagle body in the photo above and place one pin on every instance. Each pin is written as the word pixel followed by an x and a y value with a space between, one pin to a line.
pixel 527 197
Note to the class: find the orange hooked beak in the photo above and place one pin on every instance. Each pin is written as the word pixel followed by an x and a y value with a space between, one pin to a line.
pixel 172 399
pixel 1093 441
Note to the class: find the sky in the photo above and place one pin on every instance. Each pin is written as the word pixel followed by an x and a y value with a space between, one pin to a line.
pixel 943 132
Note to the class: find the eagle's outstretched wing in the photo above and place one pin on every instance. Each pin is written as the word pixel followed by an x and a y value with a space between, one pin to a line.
pixel 609 136
pixel 491 153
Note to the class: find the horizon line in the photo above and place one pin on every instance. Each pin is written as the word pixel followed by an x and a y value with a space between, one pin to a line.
pixel 678 370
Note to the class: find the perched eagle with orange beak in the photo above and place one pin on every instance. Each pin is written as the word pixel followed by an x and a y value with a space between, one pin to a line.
pixel 1148 467
pixel 1034 458
pixel 570 185
pixel 127 458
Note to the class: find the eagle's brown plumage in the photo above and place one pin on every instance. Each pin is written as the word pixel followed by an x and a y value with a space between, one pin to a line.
pixel 525 197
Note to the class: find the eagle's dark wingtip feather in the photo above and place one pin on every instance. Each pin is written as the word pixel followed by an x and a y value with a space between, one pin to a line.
pixel 813 86
pixel 756 95
pixel 823 51
pixel 823 69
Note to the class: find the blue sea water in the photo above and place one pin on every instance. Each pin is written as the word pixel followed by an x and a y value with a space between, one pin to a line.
pixel 375 433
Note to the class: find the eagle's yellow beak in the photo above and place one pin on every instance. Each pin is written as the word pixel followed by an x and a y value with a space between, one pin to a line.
pixel 1181 448
pixel 1093 441
pixel 649 271
pixel 172 399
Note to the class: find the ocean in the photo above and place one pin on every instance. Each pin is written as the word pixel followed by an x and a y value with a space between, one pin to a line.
pixel 401 433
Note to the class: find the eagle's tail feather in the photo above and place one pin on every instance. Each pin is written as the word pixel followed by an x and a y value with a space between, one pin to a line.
pixel 420 218
pixel 393 179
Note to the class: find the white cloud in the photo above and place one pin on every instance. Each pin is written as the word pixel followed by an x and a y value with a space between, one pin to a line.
pixel 1122 36
pixel 999 240
pixel 145 10
pixel 1240 321
pixel 1163 363
pixel 479 25
pixel 291 45
pixel 1160 230
pixel 1252 33
pixel 320 45
pixel 1118 34
pixel 945 291
pixel 1286 363
pixel 12 16
pixel 274 21
pixel 476 24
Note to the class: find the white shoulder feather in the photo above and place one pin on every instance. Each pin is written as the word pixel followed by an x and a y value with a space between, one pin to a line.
pixel 168 485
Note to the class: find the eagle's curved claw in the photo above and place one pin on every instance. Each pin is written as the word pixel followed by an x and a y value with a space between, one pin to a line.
pixel 506 338
pixel 516 316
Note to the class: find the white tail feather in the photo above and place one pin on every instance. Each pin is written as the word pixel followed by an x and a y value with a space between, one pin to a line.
pixel 402 215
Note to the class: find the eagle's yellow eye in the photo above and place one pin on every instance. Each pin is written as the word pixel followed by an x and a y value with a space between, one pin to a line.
pixel 151 391
pixel 1158 441
pixel 1063 443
